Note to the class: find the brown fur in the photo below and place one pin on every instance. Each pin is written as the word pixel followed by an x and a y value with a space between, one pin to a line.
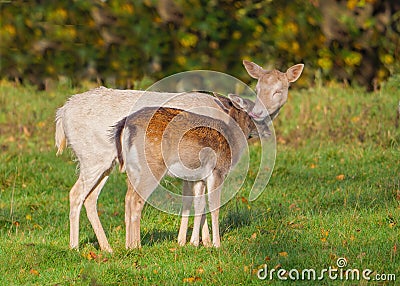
pixel 206 132
pixel 159 122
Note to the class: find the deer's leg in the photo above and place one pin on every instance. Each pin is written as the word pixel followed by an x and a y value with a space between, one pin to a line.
pixel 91 211
pixel 214 186
pixel 133 212
pixel 199 206
pixel 76 199
pixel 129 199
pixel 78 194
pixel 140 187
pixel 205 233
pixel 186 205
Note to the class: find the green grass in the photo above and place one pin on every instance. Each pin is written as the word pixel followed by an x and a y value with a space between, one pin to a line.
pixel 334 192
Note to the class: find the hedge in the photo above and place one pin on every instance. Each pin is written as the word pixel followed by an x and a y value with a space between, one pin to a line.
pixel 118 42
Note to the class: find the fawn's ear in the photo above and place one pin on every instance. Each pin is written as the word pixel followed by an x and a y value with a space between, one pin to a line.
pixel 293 73
pixel 254 70
pixel 238 102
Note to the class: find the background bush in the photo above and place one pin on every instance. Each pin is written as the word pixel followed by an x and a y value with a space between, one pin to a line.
pixel 118 42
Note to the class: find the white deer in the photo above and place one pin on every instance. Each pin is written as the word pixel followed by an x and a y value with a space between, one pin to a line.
pixel 84 120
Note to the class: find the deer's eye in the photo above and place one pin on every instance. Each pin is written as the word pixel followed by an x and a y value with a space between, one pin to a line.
pixel 277 93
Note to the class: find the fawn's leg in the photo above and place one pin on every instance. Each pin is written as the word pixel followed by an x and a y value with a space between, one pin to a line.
pixel 186 205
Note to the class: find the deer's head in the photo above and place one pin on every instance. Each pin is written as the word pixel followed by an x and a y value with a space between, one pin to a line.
pixel 272 88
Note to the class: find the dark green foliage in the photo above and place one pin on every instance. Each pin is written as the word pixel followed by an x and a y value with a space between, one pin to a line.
pixel 118 42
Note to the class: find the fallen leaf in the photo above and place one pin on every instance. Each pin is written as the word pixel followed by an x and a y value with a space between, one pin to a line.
pixel 37 226
pixel 278 266
pixel 200 270
pixel 340 177
pixel 34 272
pixel 312 166
pixel 91 255
pixel 28 217
pixel 281 140
pixel 244 200
pixel 191 279
pixel 267 258
pixel 254 236
pixel 283 254
pixel 294 207
pixel 220 269
pixel 41 124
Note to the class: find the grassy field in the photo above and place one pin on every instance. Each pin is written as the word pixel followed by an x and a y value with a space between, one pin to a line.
pixel 334 193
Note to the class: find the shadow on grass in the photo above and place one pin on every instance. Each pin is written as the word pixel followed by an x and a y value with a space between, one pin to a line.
pixel 155 236
pixel 235 219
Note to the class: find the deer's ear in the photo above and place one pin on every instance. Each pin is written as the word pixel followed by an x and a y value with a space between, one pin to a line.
pixel 237 101
pixel 254 70
pixel 293 73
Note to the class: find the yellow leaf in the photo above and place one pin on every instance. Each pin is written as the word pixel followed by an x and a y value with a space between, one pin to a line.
pixel 254 236
pixel 191 279
pixel 283 254
pixel 37 226
pixel 41 124
pixel 340 177
pixel 34 272
pixel 91 255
